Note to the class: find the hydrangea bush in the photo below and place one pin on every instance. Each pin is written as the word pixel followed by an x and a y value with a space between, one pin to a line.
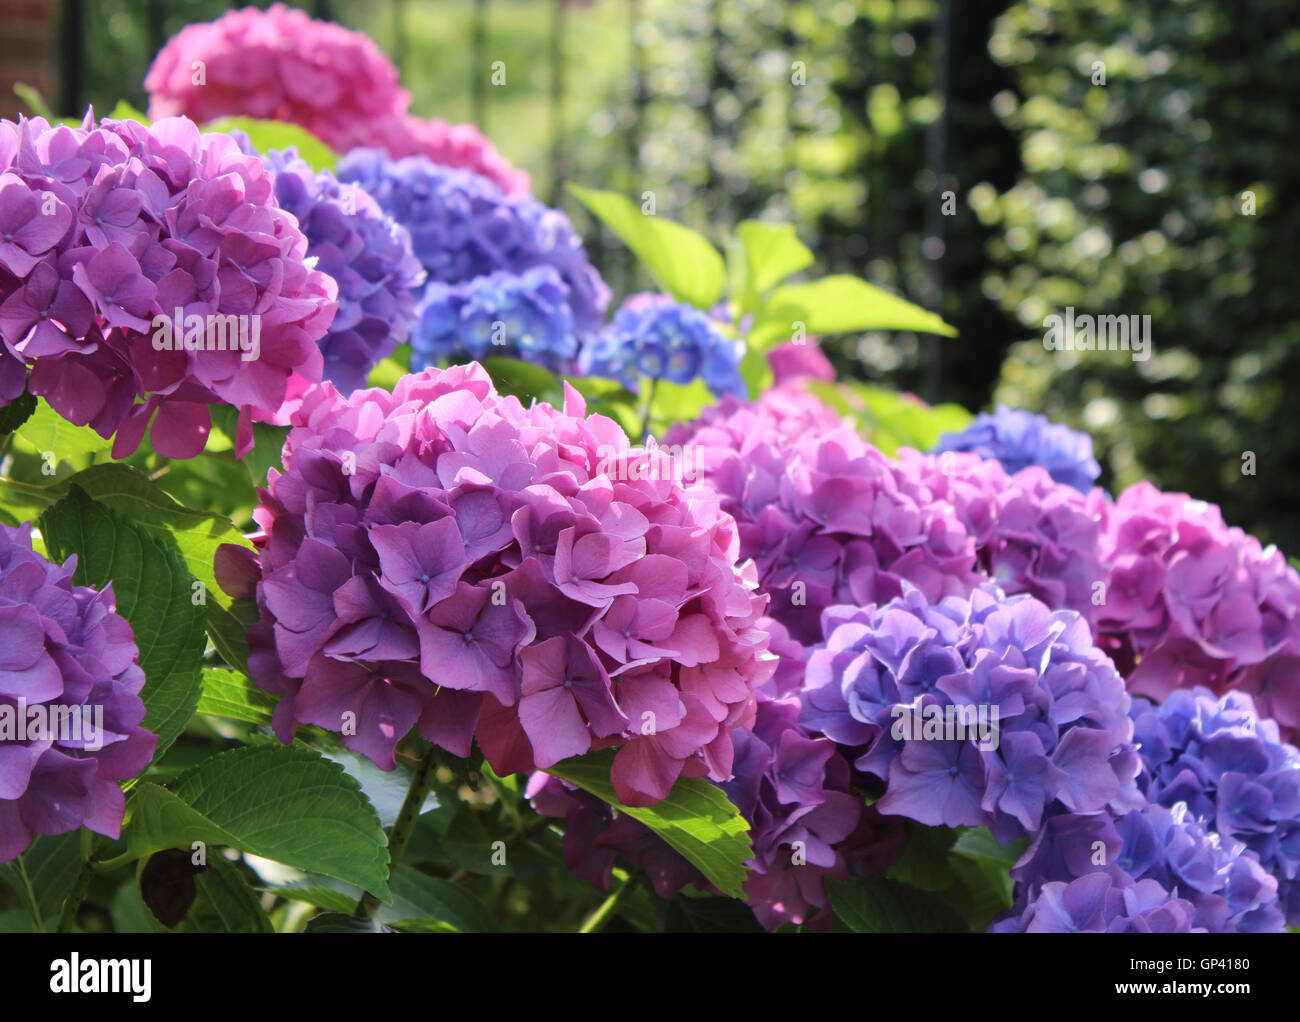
pixel 444 599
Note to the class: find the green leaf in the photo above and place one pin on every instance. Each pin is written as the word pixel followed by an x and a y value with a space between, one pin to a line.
pixel 923 862
pixel 524 380
pixel 232 695
pixel 418 896
pixel 268 135
pixel 44 874
pixel 979 843
pixel 696 818
pixel 876 905
pixel 153 592
pixel 835 305
pixel 891 420
pixel 290 805
pixel 326 898
pixel 683 261
pixel 158 819
pixel 31 95
pixel 770 253
pixel 124 111
pixel 224 903
pixel 16 412
pixel 56 440
pixel 338 922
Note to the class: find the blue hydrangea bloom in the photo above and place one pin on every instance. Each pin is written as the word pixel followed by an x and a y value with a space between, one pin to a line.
pixel 1233 771
pixel 524 316
pixel 1018 439
pixel 463 227
pixel 361 247
pixel 655 336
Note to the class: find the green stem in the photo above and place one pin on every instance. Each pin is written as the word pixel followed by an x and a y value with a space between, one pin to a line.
pixel 80 886
pixel 32 491
pixel 31 897
pixel 597 920
pixel 109 865
pixel 400 835
pixel 649 404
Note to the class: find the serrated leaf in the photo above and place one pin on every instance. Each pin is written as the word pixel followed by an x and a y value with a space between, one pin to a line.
pixel 683 261
pixel 877 905
pixel 839 304
pixel 16 412
pixel 56 440
pixel 696 818
pixel 153 591
pixel 44 874
pixel 232 695
pixel 337 922
pixel 419 896
pixel 224 903
pixel 295 807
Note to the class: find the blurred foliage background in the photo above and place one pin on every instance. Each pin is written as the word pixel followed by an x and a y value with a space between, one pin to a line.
pixel 855 119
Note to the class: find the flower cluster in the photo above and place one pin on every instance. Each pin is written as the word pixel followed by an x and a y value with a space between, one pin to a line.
pixel 826 516
pixel 366 252
pixel 1229 766
pixel 70 709
pixel 653 335
pixel 108 234
pixel 1102 903
pixel 515 315
pixel 464 228
pixel 988 711
pixel 1032 534
pixel 441 557
pixel 1224 882
pixel 278 65
pixel 450 145
pixel 1190 602
pixel 1018 439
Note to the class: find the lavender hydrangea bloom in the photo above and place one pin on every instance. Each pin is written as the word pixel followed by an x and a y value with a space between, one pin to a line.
pixel 657 337
pixel 463 227
pixel 889 676
pixel 442 558
pixel 1232 770
pixel 1223 881
pixel 1102 903
pixel 63 648
pixel 515 315
pixel 1018 439
pixel 364 250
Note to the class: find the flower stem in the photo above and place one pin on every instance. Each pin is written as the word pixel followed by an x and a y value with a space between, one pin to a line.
pixel 649 404
pixel 80 886
pixel 400 835
pixel 597 920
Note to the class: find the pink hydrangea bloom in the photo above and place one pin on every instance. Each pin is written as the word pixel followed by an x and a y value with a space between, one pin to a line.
pixel 444 558
pixel 107 232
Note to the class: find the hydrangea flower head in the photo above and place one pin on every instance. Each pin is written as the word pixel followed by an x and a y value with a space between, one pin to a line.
pixel 365 251
pixel 111 232
pixel 1230 767
pixel 442 558
pixel 463 227
pixel 1018 439
pixel 1102 903
pixel 279 65
pixel 1191 602
pixel 63 650
pixel 451 145
pixel 658 337
pixel 989 711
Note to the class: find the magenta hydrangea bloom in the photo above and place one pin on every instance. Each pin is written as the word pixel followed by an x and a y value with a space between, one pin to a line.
pixel 826 516
pixel 990 711
pixel 280 65
pixel 63 652
pixel 443 558
pixel 1190 601
pixel 109 232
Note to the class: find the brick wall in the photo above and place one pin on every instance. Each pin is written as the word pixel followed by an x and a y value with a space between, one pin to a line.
pixel 26 51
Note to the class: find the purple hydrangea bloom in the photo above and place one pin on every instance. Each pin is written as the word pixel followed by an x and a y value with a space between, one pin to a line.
pixel 514 315
pixel 63 651
pixel 464 227
pixel 1224 882
pixel 106 231
pixel 1103 903
pixel 1018 439
pixel 1190 601
pixel 657 337
pixel 988 711
pixel 1232 770
pixel 442 558
pixel 364 250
